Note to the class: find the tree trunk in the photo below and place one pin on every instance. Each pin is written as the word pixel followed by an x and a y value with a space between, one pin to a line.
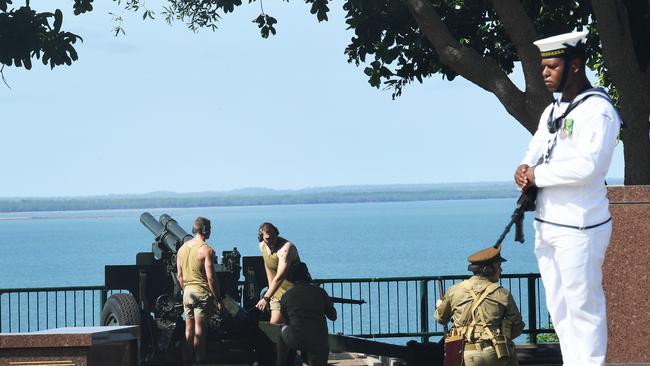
pixel 632 83
pixel 636 150
pixel 482 71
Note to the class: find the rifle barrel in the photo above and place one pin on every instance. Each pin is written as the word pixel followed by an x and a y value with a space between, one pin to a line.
pixel 342 300
pixel 441 289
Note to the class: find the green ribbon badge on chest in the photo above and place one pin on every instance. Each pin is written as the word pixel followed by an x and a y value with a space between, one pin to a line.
pixel 567 127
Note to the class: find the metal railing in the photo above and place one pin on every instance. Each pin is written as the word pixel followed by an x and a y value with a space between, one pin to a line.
pixel 397 307
pixel 30 309
pixel 402 307
pixel 33 309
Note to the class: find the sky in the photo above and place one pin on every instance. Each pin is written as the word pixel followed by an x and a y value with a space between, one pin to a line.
pixel 162 108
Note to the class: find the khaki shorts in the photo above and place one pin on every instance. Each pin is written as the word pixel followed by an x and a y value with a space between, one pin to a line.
pixel 197 303
pixel 274 305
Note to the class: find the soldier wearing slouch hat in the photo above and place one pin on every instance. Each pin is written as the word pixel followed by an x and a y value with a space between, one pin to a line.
pixel 484 314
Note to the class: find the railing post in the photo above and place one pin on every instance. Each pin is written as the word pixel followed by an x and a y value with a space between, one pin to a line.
pixel 424 310
pixel 532 310
pixel 1 292
pixel 103 296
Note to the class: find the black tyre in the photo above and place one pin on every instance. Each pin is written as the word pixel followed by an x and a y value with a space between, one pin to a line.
pixel 121 309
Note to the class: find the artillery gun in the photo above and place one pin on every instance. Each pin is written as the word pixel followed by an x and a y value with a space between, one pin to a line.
pixel 154 301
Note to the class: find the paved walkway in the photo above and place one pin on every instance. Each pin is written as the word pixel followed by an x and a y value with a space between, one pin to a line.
pixel 351 359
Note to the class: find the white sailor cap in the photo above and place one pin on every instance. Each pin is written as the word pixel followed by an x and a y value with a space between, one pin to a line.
pixel 557 46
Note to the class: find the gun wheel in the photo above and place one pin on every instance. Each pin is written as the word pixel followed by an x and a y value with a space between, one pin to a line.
pixel 121 309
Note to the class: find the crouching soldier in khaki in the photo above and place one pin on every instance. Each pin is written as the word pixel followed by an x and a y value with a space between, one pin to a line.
pixel 304 308
pixel 483 313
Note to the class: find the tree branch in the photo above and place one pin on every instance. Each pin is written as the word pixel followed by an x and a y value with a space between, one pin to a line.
pixel 522 33
pixel 482 71
pixel 2 69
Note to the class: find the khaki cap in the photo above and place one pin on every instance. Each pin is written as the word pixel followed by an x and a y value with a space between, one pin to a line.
pixel 487 255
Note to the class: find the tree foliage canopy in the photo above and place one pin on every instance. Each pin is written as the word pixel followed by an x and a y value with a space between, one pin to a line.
pixel 402 41
pixel 26 34
pixel 388 40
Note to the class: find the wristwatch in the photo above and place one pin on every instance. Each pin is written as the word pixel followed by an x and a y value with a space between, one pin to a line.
pixel 267 299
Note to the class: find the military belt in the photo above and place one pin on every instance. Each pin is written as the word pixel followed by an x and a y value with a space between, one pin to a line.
pixel 479 346
pixel 574 227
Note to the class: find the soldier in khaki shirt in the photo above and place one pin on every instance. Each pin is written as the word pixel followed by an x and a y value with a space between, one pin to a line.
pixel 495 319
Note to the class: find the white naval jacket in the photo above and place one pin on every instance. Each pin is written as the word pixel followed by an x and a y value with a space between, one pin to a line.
pixel 572 183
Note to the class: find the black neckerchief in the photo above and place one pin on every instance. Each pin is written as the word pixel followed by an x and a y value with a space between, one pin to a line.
pixel 553 124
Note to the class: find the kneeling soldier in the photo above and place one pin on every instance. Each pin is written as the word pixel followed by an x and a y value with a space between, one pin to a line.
pixel 483 313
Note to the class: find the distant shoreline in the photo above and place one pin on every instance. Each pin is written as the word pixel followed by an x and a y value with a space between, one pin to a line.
pixel 27 218
pixel 262 197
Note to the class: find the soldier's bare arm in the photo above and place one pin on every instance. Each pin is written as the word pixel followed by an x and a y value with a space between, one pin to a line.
pixel 269 275
pixel 179 270
pixel 208 263
pixel 285 256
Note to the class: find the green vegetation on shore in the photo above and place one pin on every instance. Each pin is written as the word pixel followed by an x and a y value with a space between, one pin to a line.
pixel 262 196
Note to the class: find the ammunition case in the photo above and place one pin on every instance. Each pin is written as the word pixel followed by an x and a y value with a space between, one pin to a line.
pixel 501 346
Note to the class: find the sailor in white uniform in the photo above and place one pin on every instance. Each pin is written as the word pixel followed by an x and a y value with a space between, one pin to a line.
pixel 567 160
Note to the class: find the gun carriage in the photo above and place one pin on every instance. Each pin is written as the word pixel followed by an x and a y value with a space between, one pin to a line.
pixel 154 300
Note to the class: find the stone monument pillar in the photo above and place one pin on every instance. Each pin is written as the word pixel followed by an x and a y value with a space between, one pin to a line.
pixel 627 276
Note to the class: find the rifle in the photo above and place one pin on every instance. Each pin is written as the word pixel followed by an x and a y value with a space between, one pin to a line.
pixel 343 300
pixel 526 202
pixel 441 289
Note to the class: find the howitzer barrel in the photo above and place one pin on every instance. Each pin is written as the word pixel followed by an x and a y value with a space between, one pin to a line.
pixel 152 224
pixel 172 226
pixel 166 241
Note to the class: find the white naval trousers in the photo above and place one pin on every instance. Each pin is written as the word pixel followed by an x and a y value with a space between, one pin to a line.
pixel 570 263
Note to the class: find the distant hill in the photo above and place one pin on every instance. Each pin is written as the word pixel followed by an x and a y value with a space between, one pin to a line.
pixel 266 196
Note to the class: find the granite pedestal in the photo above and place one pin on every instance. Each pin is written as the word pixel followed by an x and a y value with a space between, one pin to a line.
pixel 627 276
pixel 75 346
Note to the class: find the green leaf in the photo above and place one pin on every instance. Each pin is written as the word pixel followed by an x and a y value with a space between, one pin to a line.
pixel 58 20
pixel 374 81
pixel 3 4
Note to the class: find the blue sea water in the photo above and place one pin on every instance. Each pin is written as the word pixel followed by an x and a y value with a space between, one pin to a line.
pixel 357 240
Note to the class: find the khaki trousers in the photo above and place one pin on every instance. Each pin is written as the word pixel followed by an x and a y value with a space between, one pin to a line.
pixel 486 357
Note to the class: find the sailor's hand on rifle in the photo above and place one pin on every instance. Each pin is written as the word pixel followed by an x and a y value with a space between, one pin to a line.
pixel 524 176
